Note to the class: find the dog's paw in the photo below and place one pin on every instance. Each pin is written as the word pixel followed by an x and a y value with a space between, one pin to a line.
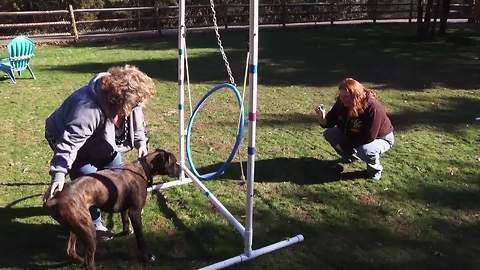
pixel 126 232
pixel 76 258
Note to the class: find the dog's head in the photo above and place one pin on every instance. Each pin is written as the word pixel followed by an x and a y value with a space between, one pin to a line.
pixel 163 163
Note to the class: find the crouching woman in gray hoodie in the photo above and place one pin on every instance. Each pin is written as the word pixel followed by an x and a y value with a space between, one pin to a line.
pixel 95 125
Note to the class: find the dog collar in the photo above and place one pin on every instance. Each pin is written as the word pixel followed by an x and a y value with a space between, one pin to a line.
pixel 147 171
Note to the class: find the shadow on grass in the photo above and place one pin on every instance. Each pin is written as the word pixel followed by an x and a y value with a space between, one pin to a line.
pixel 455 199
pixel 6 79
pixel 21 184
pixel 375 236
pixel 454 113
pixel 208 67
pixel 177 247
pixel 287 119
pixel 302 171
pixel 385 55
pixel 29 245
pixel 344 232
pixel 347 232
pixel 23 242
pixel 199 243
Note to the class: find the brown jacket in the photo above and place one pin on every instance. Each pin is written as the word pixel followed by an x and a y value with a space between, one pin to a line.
pixel 373 123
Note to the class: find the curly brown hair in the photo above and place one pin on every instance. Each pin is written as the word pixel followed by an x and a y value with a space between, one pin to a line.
pixel 359 94
pixel 126 87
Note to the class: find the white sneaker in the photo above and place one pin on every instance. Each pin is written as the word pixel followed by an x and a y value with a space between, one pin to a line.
pixel 99 227
pixel 102 232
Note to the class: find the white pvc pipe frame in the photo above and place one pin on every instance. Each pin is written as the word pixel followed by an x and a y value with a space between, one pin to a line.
pixel 247 231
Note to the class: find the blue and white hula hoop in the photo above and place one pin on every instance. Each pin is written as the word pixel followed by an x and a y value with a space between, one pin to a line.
pixel 238 140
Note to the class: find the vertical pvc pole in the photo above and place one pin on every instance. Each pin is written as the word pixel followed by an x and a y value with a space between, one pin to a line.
pixel 181 86
pixel 252 117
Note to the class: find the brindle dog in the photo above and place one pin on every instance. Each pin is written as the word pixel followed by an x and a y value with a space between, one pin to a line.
pixel 122 190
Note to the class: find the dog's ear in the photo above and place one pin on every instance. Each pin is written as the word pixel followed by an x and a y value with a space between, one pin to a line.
pixel 165 163
pixel 171 165
pixel 155 161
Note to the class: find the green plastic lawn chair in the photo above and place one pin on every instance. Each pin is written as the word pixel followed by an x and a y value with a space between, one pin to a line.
pixel 20 51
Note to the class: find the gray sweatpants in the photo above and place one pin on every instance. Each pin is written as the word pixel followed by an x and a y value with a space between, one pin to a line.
pixel 370 152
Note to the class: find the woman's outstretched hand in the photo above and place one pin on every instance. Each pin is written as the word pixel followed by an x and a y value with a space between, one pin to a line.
pixel 321 114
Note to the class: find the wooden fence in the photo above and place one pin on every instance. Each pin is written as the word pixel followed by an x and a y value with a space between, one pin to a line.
pixel 78 22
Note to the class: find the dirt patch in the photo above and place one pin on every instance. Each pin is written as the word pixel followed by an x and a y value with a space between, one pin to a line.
pixel 367 199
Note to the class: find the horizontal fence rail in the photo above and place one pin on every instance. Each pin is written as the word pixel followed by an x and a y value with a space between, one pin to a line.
pixel 77 22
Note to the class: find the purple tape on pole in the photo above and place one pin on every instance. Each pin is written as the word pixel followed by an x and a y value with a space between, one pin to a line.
pixel 252 117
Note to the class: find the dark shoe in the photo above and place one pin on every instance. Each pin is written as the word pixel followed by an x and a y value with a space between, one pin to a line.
pixel 337 168
pixel 333 166
pixel 104 235
pixel 349 159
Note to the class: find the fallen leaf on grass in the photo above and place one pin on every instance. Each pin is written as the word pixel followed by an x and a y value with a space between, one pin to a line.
pixel 171 112
pixel 452 170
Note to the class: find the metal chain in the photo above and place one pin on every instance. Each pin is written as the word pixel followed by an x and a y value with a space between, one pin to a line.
pixel 219 41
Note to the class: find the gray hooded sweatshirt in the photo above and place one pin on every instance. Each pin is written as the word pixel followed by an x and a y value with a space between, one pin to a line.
pixel 80 129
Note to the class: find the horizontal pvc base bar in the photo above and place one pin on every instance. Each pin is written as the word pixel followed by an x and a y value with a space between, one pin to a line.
pixel 169 184
pixel 255 253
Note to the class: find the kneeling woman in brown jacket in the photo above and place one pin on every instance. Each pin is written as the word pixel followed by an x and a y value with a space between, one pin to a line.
pixel 357 126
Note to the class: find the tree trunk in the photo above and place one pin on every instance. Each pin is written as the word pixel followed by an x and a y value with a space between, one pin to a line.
pixel 471 7
pixel 444 18
pixel 424 27
pixel 419 18
pixel 428 16
pixel 476 11
pixel 435 17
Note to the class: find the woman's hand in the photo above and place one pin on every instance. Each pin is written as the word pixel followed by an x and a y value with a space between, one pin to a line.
pixel 56 185
pixel 320 110
pixel 321 114
pixel 142 151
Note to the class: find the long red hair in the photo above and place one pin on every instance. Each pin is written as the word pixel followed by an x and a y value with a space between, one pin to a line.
pixel 358 93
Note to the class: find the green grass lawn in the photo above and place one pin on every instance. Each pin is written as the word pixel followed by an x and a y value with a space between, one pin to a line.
pixel 423 214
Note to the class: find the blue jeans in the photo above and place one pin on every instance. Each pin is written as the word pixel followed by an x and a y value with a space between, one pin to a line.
pixel 80 168
pixel 370 152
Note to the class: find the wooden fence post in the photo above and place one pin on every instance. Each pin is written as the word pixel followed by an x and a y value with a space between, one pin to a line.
pixel 156 11
pixel 73 23
pixel 138 13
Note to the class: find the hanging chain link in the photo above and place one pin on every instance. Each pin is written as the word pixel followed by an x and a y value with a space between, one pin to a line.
pixel 219 41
